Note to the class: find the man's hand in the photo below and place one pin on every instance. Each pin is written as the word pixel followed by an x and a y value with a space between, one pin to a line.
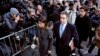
pixel 17 19
pixel 71 45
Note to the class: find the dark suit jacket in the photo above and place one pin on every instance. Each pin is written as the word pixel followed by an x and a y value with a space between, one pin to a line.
pixel 62 44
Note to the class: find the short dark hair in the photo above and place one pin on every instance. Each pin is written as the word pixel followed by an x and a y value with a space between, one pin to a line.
pixel 63 12
pixel 84 8
pixel 43 19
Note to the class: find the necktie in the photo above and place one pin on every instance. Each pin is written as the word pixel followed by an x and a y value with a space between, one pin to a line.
pixel 61 30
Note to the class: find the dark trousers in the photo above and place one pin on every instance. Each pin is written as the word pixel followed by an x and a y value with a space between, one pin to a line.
pixel 64 51
pixel 92 34
pixel 92 47
pixel 82 38
pixel 79 46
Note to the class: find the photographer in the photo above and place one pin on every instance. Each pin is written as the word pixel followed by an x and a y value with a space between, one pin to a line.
pixel 12 20
pixel 30 18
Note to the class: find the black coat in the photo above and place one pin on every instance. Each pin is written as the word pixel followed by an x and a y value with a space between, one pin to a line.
pixel 83 25
pixel 62 44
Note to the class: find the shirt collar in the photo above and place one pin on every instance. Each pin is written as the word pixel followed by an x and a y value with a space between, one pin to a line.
pixel 64 24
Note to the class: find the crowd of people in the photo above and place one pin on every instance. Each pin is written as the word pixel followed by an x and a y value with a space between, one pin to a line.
pixel 63 24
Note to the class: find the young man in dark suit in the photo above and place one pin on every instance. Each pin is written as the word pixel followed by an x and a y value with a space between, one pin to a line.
pixel 66 36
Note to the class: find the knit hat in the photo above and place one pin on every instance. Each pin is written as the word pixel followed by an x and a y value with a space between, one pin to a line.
pixel 14 11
